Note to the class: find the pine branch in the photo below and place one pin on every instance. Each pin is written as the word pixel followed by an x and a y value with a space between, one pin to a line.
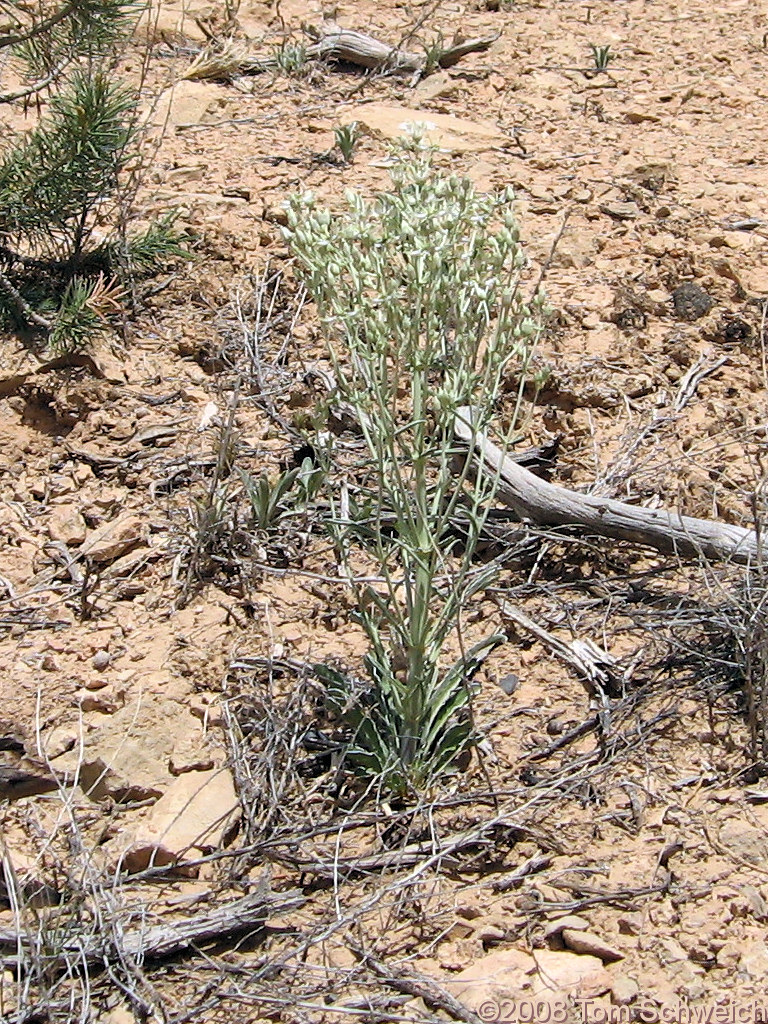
pixel 22 305
pixel 38 86
pixel 79 28
pixel 46 25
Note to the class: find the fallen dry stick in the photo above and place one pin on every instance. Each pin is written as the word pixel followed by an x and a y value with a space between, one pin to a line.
pixel 158 942
pixel 419 986
pixel 351 47
pixel 547 504
pixel 332 43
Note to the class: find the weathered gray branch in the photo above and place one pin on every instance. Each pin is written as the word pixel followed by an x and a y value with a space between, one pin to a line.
pixel 161 941
pixel 365 51
pixel 547 504
pixel 332 43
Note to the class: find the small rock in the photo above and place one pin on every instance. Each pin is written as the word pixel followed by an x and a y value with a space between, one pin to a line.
pixel 95 683
pixel 60 740
pixel 448 133
pixel 691 302
pixel 9 989
pixel 624 990
pixel 104 701
pixel 58 485
pixel 631 923
pixel 621 211
pixel 509 683
pixel 754 962
pixel 109 497
pixel 582 976
pixel 670 951
pixel 67 525
pixel 588 942
pixel 756 902
pixel 438 86
pixel 469 912
pixel 459 930
pixel 730 955
pixel 186 172
pixel 276 214
pixel 638 116
pixel 126 774
pixel 572 921
pixel 206 708
pixel 184 103
pixel 191 819
pixel 590 322
pixel 189 756
pixel 113 539
pixel 744 840
pixel 100 661
pixel 511 974
pixel 490 933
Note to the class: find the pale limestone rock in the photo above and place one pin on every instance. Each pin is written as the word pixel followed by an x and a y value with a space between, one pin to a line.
pixel 588 942
pixel 511 974
pixel 126 757
pixel 60 740
pixel 67 525
pixel 191 819
pixel 579 975
pixel 437 86
pixel 572 921
pixel 448 133
pixel 124 771
pixel 184 103
pixel 113 539
pixel 624 990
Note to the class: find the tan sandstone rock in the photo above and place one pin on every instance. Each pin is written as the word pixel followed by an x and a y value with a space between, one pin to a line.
pixel 190 819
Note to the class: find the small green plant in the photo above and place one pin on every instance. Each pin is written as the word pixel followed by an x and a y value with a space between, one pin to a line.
pixel 274 500
pixel 347 137
pixel 291 58
pixel 433 52
pixel 83 312
pixel 419 298
pixel 602 56
pixel 145 253
pixel 53 179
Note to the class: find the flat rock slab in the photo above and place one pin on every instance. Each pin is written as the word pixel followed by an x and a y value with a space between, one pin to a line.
pixel 127 758
pixel 507 976
pixel 189 820
pixel 183 104
pixel 450 134
pixel 113 539
pixel 67 525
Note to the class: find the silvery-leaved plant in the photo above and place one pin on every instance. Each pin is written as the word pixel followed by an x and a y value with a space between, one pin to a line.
pixel 419 297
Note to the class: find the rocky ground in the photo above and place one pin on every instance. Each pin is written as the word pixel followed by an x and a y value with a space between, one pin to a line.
pixel 606 854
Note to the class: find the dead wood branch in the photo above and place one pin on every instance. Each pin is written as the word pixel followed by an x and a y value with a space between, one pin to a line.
pixel 419 986
pixel 351 47
pixel 621 898
pixel 529 867
pixel 225 61
pixel 158 942
pixel 585 657
pixel 547 504
pixel 407 857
